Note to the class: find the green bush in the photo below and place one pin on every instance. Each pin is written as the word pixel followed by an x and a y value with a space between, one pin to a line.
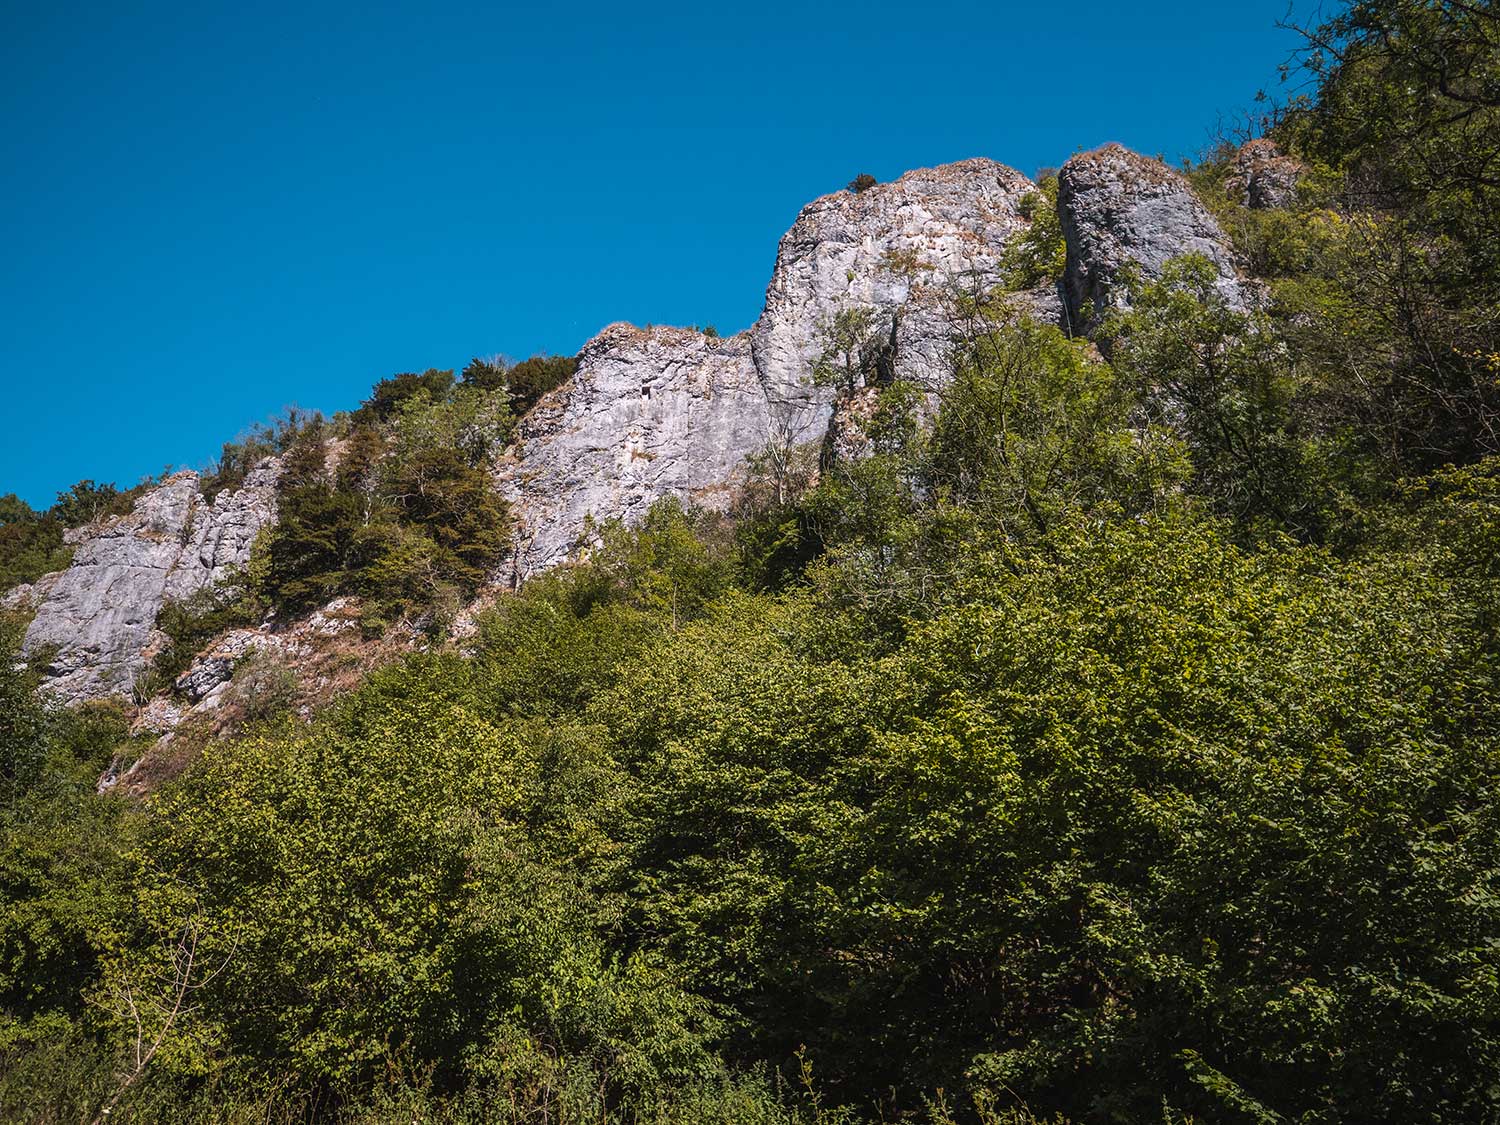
pixel 1135 818
pixel 1223 381
pixel 191 623
pixel 532 378
pixel 1038 254
pixel 410 520
pixel 61 865
pixel 86 502
pixel 264 687
pixel 455 505
pixel 312 548
pixel 465 926
pixel 388 395
pixel 487 374
pixel 31 543
pixel 237 458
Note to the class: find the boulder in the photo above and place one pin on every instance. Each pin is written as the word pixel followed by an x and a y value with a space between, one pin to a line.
pixel 1263 178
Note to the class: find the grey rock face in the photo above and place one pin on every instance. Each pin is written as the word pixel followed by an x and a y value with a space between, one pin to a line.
pixel 904 247
pixel 670 412
pixel 650 413
pixel 96 624
pixel 1118 209
pixel 27 596
pixel 1263 178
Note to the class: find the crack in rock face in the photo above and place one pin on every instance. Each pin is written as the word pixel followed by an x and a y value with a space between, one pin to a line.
pixel 1121 209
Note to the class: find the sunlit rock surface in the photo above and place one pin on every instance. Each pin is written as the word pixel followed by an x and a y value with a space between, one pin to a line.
pixel 1120 209
pixel 94 627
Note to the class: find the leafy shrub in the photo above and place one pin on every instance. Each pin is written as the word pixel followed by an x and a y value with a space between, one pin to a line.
pixel 1222 381
pixel 237 458
pixel 312 550
pixel 1038 254
pixel 86 502
pixel 190 623
pixel 31 543
pixel 388 395
pixel 468 935
pixel 470 423
pixel 491 374
pixel 525 382
pixel 61 866
pixel 405 521
pixel 532 378
pixel 862 182
pixel 263 687
pixel 455 505
pixel 24 719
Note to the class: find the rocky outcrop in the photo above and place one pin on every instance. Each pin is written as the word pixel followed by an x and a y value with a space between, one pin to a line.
pixel 1263 178
pixel 900 250
pixel 650 413
pixel 668 412
pixel 26 597
pixel 671 412
pixel 1119 210
pixel 248 674
pixel 213 668
pixel 95 626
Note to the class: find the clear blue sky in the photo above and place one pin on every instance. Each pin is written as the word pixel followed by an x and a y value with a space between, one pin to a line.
pixel 210 211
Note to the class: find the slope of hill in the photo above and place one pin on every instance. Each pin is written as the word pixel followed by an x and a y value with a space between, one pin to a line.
pixel 1047 669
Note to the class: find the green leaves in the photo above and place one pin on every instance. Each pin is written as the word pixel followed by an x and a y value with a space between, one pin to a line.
pixel 1128 815
pixel 1129 803
pixel 409 519
pixel 1038 255
pixel 1226 385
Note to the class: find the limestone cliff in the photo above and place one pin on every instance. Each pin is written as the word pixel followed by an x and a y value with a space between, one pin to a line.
pixel 1121 209
pixel 671 412
pixel 668 412
pixel 900 250
pixel 649 413
pixel 97 620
